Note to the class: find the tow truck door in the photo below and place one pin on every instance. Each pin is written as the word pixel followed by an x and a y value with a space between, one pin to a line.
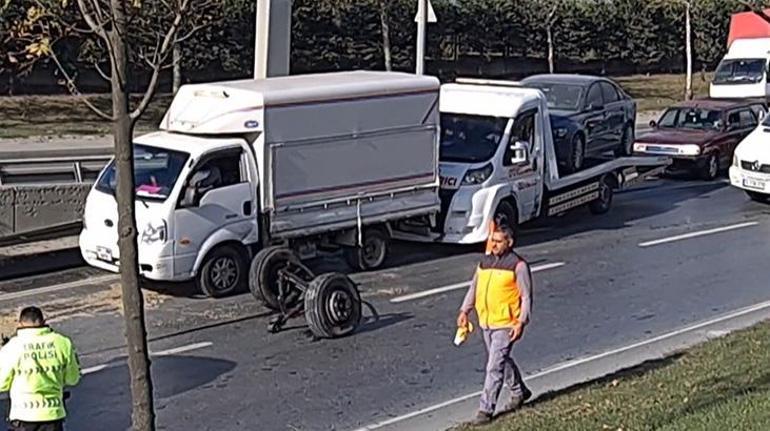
pixel 526 178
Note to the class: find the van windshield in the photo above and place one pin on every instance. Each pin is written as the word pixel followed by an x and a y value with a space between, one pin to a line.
pixel 155 172
pixel 470 138
pixel 740 71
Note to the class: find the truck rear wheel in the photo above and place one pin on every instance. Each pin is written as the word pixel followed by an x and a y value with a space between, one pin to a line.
pixel 602 204
pixel 332 306
pixel 264 277
pixel 373 252
pixel 223 272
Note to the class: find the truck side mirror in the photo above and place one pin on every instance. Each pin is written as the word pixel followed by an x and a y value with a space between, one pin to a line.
pixel 519 152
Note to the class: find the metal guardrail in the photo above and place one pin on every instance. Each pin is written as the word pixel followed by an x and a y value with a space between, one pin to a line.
pixel 48 170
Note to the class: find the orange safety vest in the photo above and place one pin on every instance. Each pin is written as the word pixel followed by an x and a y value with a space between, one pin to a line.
pixel 498 298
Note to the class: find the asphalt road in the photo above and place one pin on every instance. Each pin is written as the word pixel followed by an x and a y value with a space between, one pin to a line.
pixel 606 281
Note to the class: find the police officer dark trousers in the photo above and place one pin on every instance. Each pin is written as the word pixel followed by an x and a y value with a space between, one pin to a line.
pixel 35 366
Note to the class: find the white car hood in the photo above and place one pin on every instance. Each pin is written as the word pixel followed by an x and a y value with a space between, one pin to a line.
pixel 755 147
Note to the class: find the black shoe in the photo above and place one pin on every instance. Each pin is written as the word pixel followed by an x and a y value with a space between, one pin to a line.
pixel 482 418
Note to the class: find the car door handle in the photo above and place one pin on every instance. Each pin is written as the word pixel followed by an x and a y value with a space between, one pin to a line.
pixel 247 208
pixel 230 216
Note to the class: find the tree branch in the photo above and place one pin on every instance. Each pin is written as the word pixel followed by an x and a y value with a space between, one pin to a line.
pixel 73 89
pixel 101 72
pixel 168 41
pixel 96 27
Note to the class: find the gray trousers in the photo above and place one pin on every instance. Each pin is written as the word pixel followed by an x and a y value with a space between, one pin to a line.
pixel 500 368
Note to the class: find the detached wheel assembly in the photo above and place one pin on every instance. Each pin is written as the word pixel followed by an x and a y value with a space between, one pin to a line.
pixel 270 278
pixel 332 306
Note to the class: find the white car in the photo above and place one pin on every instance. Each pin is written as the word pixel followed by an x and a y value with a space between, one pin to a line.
pixel 750 169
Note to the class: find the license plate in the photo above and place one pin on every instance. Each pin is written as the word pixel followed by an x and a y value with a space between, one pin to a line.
pixel 103 253
pixel 754 184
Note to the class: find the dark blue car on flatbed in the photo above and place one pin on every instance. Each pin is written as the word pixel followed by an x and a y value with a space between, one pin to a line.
pixel 590 115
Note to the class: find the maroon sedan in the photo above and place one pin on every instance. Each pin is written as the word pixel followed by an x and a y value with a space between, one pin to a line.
pixel 701 135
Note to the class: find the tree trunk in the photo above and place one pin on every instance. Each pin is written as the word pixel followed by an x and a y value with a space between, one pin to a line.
pixel 177 60
pixel 688 47
pixel 142 412
pixel 385 35
pixel 550 49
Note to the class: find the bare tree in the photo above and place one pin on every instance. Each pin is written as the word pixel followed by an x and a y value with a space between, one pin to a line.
pixel 112 25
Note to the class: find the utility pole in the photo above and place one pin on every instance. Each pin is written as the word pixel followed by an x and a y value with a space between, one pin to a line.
pixel 422 23
pixel 272 41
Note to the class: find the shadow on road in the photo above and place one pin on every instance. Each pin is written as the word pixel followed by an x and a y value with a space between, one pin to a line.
pixel 102 400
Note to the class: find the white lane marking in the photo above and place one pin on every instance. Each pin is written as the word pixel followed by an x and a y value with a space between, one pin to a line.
pixel 576 362
pixel 697 234
pixel 58 287
pixel 173 351
pixel 436 291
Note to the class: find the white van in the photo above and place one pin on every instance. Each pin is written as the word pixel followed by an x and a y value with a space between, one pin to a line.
pixel 743 71
pixel 750 170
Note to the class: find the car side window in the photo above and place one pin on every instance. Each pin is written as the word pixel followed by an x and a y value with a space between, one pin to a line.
pixel 523 130
pixel 733 119
pixel 220 170
pixel 747 118
pixel 609 93
pixel 594 97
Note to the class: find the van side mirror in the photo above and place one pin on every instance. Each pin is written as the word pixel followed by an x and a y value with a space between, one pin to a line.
pixel 519 152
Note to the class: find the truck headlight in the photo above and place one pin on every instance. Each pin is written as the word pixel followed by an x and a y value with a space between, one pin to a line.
pixel 561 132
pixel 689 150
pixel 155 233
pixel 477 176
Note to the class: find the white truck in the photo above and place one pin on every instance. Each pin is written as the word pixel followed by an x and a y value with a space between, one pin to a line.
pixel 280 168
pixel 497 161
pixel 743 72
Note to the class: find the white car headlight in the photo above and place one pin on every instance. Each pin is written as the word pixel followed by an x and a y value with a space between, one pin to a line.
pixel 689 150
pixel 155 233
pixel 477 176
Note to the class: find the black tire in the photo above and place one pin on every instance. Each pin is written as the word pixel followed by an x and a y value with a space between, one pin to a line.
pixel 577 154
pixel 507 214
pixel 223 272
pixel 757 197
pixel 710 169
pixel 626 142
pixel 263 276
pixel 332 306
pixel 603 203
pixel 373 253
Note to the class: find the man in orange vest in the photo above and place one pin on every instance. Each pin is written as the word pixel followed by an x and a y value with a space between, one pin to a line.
pixel 501 294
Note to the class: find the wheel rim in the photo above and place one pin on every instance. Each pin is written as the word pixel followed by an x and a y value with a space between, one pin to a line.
pixel 340 307
pixel 373 251
pixel 224 273
pixel 578 154
pixel 713 166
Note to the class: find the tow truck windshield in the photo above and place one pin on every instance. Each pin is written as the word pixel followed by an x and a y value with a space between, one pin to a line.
pixel 470 138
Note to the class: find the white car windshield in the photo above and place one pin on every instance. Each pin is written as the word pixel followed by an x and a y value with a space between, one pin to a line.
pixel 155 172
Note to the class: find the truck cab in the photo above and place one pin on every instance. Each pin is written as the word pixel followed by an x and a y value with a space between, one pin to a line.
pixel 492 157
pixel 743 72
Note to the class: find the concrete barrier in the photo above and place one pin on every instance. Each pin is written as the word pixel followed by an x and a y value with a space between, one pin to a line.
pixel 29 208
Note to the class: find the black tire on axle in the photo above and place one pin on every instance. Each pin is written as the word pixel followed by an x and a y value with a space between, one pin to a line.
pixel 602 204
pixel 372 254
pixel 332 306
pixel 263 276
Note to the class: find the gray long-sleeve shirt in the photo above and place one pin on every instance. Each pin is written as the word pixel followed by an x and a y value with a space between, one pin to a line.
pixel 524 281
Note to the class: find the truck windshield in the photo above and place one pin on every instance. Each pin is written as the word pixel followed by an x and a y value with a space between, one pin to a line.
pixel 155 172
pixel 563 97
pixel 470 138
pixel 691 118
pixel 740 71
